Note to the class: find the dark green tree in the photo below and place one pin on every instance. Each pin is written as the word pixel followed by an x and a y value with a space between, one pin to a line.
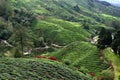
pixel 76 8
pixel 23 17
pixel 5 34
pixel 108 38
pixel 39 42
pixel 20 36
pixel 6 10
pixel 115 24
pixel 21 39
pixel 116 43
pixel 105 38
pixel 85 25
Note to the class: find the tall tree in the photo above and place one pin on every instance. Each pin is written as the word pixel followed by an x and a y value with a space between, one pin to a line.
pixel 116 43
pixel 20 35
pixel 105 38
pixel 21 38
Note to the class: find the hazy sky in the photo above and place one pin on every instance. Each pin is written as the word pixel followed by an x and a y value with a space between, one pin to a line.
pixel 113 1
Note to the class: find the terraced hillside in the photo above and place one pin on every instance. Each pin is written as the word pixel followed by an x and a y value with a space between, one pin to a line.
pixel 34 69
pixel 115 59
pixel 61 32
pixel 82 54
pixel 58 28
pixel 90 11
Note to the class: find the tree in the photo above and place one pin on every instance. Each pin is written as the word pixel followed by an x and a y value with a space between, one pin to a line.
pixel 24 17
pixel 5 9
pixel 116 43
pixel 5 34
pixel 21 39
pixel 105 38
pixel 20 35
pixel 115 24
pixel 76 8
pixel 85 25
pixel 117 35
pixel 108 38
pixel 39 42
pixel 6 12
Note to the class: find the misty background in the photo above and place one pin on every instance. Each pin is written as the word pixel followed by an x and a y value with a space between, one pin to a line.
pixel 114 2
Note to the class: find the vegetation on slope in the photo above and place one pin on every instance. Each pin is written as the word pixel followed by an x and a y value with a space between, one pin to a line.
pixel 61 32
pixel 115 60
pixel 82 54
pixel 34 69
pixel 61 22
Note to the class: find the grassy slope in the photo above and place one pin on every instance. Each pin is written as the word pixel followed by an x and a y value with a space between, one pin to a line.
pixel 34 69
pixel 82 54
pixel 115 60
pixel 62 32
pixel 64 9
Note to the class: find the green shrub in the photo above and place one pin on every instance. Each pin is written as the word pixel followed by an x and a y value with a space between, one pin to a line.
pixel 67 62
pixel 107 75
pixel 17 53
pixel 51 49
pixel 83 69
pixel 119 78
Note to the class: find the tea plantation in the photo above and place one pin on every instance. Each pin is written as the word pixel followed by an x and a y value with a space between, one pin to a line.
pixel 35 69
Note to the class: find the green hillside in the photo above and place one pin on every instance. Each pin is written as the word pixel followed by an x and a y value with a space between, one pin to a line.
pixel 115 59
pixel 63 29
pixel 74 10
pixel 61 32
pixel 33 69
pixel 82 54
